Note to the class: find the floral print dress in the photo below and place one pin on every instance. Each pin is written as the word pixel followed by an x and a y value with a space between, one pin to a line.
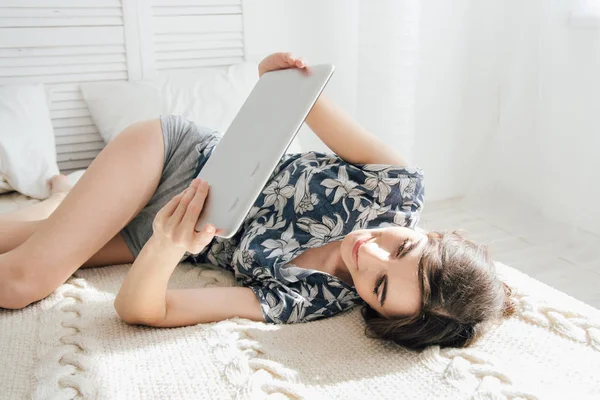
pixel 310 200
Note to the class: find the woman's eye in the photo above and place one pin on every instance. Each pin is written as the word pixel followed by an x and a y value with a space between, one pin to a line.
pixel 378 283
pixel 401 248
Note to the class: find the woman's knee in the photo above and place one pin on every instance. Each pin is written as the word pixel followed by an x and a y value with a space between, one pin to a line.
pixel 25 281
pixel 146 135
pixel 141 145
pixel 132 163
pixel 20 290
pixel 15 297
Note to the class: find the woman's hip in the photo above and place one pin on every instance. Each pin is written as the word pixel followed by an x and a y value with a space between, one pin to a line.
pixel 184 143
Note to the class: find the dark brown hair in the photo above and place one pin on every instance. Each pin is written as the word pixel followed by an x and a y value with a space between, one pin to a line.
pixel 461 293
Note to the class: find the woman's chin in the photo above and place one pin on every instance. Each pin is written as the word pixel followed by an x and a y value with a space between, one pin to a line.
pixel 346 251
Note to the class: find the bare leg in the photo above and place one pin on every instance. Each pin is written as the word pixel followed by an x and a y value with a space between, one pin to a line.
pixel 114 252
pixel 18 226
pixel 15 233
pixel 59 187
pixel 35 212
pixel 116 186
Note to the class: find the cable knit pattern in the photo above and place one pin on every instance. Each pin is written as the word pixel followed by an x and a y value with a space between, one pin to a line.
pixel 63 371
pixel 237 349
pixel 75 347
pixel 473 372
pixel 85 351
pixel 562 321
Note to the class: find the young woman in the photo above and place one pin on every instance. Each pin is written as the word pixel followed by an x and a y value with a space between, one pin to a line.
pixel 328 232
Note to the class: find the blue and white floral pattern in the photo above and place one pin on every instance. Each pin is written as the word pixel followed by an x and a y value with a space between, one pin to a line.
pixel 310 200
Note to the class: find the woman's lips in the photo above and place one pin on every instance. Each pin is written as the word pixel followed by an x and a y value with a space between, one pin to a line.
pixel 355 248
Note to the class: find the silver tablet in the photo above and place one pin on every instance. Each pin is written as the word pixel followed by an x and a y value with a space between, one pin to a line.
pixel 257 138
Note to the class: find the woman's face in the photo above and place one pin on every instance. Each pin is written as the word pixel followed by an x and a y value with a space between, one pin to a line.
pixel 386 272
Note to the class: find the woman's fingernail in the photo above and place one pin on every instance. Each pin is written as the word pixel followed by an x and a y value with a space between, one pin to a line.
pixel 209 228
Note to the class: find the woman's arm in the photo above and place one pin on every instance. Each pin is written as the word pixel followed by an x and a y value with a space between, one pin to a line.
pixel 347 138
pixel 342 134
pixel 144 298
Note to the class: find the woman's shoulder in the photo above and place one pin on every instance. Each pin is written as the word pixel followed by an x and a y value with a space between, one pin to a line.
pixel 392 169
pixel 304 297
pixel 330 159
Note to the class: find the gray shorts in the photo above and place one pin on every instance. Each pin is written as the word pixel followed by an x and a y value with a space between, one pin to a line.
pixel 184 143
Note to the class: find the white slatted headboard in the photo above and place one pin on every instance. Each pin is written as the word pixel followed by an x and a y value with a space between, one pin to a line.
pixel 63 43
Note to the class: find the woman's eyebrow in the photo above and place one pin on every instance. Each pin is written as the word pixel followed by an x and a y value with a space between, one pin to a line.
pixel 385 282
pixel 410 249
pixel 384 291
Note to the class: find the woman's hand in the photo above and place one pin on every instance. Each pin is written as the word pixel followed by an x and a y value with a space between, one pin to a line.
pixel 281 61
pixel 174 224
pixel 143 298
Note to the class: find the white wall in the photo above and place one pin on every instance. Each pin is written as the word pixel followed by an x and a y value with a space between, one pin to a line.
pixel 347 33
pixel 387 70
pixel 508 104
pixel 438 103
pixel 457 92
pixel 321 31
pixel 507 93
pixel 420 109
pixel 543 151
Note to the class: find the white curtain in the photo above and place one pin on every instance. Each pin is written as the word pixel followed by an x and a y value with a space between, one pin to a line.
pixel 373 44
pixel 497 100
pixel 543 149
pixel 388 55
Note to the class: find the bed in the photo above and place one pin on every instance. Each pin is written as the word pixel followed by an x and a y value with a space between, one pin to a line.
pixel 72 345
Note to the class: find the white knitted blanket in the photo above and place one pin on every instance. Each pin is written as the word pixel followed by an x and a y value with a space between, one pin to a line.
pixel 72 345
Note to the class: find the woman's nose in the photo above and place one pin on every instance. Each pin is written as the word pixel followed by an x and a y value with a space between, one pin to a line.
pixel 381 251
pixel 377 257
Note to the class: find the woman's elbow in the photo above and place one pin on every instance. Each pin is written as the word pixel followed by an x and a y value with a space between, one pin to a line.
pixel 125 313
pixel 133 317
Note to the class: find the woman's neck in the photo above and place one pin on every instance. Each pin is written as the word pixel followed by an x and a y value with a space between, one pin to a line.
pixel 328 259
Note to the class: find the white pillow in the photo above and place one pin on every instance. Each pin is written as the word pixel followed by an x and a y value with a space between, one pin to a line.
pixel 4 186
pixel 209 97
pixel 116 105
pixel 27 148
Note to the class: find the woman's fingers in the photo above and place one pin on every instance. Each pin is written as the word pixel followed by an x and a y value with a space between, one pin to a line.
pixel 177 219
pixel 289 58
pixel 201 239
pixel 181 209
pixel 293 61
pixel 198 240
pixel 167 210
pixel 282 60
pixel 303 65
pixel 195 207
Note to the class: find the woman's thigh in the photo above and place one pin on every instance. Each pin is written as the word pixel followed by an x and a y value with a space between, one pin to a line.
pixel 113 190
pixel 185 145
pixel 114 252
pixel 15 233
